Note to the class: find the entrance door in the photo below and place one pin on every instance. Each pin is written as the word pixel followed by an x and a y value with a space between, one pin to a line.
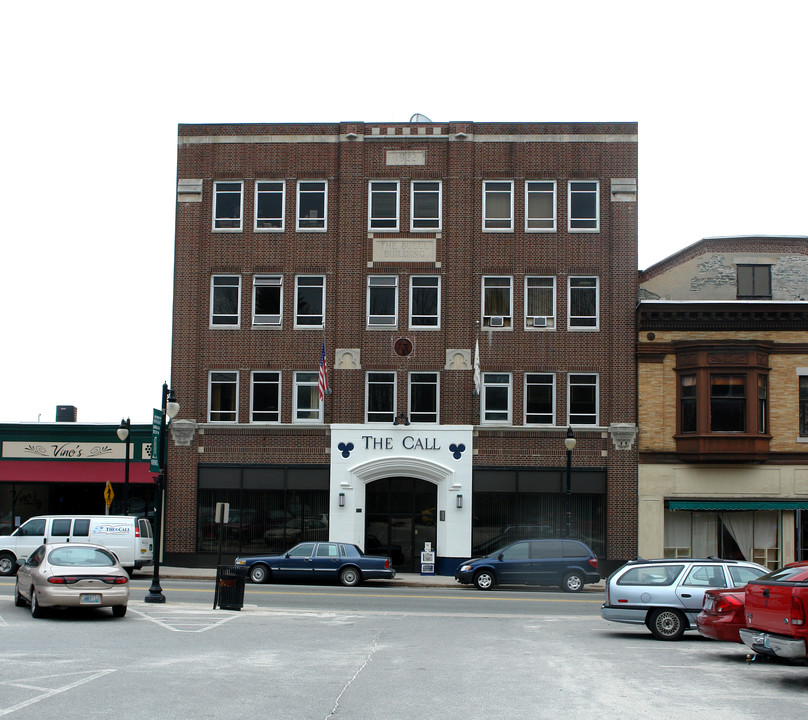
pixel 401 515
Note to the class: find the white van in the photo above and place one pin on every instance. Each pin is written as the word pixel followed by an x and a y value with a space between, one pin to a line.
pixel 130 538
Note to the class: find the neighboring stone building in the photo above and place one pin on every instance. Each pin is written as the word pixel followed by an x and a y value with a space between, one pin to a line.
pixel 400 248
pixel 723 411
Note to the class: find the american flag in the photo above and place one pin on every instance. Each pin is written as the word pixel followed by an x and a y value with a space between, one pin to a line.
pixel 322 383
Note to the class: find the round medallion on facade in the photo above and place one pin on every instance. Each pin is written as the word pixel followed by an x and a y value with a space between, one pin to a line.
pixel 403 347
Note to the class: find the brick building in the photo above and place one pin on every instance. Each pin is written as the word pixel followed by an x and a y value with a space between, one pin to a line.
pixel 474 288
pixel 723 411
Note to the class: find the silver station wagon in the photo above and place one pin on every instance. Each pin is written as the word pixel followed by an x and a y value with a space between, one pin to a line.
pixel 666 595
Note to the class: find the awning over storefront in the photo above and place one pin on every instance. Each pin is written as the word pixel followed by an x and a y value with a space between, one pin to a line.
pixel 71 471
pixel 737 504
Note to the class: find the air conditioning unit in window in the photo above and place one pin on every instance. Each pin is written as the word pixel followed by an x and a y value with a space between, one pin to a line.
pixel 539 321
pixel 497 321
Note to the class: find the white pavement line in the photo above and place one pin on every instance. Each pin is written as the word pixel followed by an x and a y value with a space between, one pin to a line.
pixel 368 658
pixel 166 624
pixel 46 692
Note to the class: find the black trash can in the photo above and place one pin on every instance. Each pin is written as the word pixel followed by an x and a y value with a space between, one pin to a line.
pixel 229 593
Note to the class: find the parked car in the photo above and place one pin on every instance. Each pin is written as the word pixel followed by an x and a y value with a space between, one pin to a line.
pixel 319 561
pixel 567 563
pixel 71 575
pixel 776 609
pixel 722 614
pixel 667 595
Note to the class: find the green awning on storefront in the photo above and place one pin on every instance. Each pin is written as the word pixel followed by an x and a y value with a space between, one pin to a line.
pixel 737 504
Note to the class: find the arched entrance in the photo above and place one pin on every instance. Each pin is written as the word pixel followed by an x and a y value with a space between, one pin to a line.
pixel 401 515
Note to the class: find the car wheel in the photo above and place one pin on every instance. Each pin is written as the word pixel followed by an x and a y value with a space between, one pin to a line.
pixel 350 577
pixel 485 580
pixel 259 574
pixel 7 561
pixel 19 600
pixel 666 624
pixel 36 610
pixel 573 582
pixel 118 610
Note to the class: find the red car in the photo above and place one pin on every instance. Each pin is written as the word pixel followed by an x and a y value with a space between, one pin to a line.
pixel 722 614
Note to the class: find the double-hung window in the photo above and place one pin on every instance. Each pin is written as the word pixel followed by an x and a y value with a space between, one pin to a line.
pixel 270 201
pixel 307 407
pixel 382 301
pixel 425 301
pixel 309 301
pixel 495 400
pixel 540 205
pixel 267 299
pixel 540 303
pixel 223 396
pixel 498 205
pixel 380 397
pixel 425 205
pixel 383 205
pixel 539 399
pixel 312 205
pixel 424 397
pixel 265 397
pixel 754 282
pixel 802 380
pixel 225 300
pixel 582 400
pixel 583 204
pixel 727 403
pixel 228 205
pixel 582 303
pixel 497 302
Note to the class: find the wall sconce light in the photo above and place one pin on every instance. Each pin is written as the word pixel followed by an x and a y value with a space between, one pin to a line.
pixel 401 417
pixel 342 499
pixel 459 501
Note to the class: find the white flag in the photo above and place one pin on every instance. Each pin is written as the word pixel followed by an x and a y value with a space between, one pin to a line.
pixel 477 376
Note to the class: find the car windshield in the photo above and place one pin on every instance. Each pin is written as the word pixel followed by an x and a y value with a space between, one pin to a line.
pixel 81 557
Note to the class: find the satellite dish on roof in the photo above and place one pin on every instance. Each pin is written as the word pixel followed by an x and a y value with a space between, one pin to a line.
pixel 420 118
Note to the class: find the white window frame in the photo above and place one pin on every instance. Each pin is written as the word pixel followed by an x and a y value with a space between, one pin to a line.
pixel 210 397
pixel 373 225
pixel 571 219
pixel 253 384
pixel 437 223
pixel 267 280
pixel 216 193
pixel 597 398
pixel 570 317
pixel 394 375
pixel 226 326
pixel 554 219
pixel 486 320
pixel 437 288
pixel 282 192
pixel 550 320
pixel 298 218
pixel 488 381
pixel 486 219
pixel 410 412
pixel 312 381
pixel 298 325
pixel 382 282
pixel 552 385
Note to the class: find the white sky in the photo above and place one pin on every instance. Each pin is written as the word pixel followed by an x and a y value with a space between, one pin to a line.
pixel 93 93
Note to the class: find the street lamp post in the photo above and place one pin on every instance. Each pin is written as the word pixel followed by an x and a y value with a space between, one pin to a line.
pixel 123 434
pixel 569 443
pixel 170 408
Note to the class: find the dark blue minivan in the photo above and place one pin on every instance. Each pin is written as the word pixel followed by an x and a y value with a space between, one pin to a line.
pixel 567 563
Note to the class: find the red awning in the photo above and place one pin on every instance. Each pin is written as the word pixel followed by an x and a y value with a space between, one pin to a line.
pixel 28 471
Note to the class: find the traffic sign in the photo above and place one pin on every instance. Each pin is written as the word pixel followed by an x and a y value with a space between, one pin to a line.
pixel 108 494
pixel 156 450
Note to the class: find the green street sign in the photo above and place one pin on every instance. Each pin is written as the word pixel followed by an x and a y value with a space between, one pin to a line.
pixel 157 421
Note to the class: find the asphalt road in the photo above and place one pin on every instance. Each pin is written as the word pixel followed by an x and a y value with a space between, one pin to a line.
pixel 369 653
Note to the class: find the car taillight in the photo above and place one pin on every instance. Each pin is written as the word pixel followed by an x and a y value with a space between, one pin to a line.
pixel 594 563
pixel 387 564
pixel 115 579
pixel 797 611
pixel 137 531
pixel 726 603
pixel 56 580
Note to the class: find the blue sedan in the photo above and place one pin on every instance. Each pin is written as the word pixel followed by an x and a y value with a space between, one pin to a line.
pixel 315 561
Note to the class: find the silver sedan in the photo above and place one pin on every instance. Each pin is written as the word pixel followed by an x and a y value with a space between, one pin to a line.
pixel 71 575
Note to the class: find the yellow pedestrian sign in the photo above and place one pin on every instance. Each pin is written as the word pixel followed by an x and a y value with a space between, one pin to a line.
pixel 108 494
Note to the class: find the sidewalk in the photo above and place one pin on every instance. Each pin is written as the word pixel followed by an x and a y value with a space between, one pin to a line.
pixel 401 579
